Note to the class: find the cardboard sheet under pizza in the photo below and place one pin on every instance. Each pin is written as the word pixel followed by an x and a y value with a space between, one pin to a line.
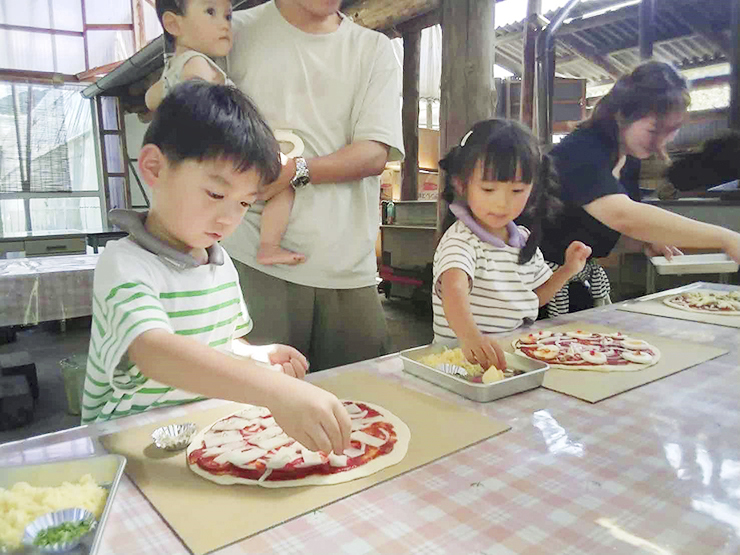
pixel 656 307
pixel 597 386
pixel 207 516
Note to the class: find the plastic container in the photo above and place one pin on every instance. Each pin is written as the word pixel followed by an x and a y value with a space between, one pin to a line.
pixel 74 369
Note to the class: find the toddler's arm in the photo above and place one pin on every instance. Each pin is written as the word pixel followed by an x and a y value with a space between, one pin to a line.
pixel 477 347
pixel 576 256
pixel 310 415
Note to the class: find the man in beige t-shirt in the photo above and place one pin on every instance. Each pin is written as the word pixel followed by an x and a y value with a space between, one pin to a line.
pixel 336 86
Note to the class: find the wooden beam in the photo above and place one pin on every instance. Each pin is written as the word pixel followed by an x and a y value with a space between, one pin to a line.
pixel 701 26
pixel 468 88
pixel 410 114
pixel 526 107
pixel 44 30
pixel 44 77
pixel 137 10
pixel 418 23
pixel 96 71
pixel 385 14
pixel 590 54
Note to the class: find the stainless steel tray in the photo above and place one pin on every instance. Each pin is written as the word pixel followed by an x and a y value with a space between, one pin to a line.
pixel 106 470
pixel 534 373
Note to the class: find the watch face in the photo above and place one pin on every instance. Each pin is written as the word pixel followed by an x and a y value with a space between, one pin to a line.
pixel 299 181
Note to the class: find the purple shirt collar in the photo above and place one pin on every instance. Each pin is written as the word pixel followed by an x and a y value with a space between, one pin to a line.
pixel 516 237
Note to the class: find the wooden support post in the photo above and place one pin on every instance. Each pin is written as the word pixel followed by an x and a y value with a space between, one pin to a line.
pixel 468 91
pixel 410 114
pixel 735 66
pixel 647 28
pixel 526 112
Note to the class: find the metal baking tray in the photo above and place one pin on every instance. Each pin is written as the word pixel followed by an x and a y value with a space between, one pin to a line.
pixel 695 264
pixel 534 373
pixel 106 470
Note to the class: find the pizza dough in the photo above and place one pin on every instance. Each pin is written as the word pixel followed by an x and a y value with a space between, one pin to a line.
pixel 591 351
pixel 248 447
pixel 707 302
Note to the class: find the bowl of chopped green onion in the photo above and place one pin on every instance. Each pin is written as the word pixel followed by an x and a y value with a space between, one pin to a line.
pixel 59 531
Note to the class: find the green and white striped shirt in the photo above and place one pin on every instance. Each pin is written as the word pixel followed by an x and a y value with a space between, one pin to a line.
pixel 135 291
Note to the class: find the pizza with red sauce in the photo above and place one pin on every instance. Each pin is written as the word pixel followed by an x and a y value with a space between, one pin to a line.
pixel 707 302
pixel 248 447
pixel 585 350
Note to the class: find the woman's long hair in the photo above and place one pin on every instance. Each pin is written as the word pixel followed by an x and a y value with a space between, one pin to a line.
pixel 652 88
pixel 508 152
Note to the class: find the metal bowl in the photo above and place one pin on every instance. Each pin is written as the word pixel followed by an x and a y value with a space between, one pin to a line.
pixel 174 437
pixel 55 519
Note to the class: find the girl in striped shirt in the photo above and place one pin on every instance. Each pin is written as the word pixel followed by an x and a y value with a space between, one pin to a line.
pixel 489 274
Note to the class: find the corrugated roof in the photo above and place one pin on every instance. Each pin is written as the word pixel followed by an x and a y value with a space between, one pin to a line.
pixel 614 36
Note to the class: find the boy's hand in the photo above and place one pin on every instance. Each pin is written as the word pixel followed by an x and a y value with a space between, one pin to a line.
pixel 575 257
pixel 312 416
pixel 483 350
pixel 289 359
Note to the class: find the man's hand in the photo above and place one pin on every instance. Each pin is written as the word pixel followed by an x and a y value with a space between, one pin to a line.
pixel 575 257
pixel 484 350
pixel 654 249
pixel 312 416
pixel 287 172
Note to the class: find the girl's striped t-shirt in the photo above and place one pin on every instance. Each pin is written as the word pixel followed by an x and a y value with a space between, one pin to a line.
pixel 134 291
pixel 501 290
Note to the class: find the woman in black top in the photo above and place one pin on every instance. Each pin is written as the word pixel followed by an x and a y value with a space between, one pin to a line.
pixel 598 166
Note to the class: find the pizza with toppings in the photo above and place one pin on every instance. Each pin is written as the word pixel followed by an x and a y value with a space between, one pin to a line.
pixel 248 447
pixel 585 350
pixel 707 302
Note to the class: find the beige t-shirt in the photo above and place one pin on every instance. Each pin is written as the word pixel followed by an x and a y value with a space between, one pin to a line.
pixel 330 90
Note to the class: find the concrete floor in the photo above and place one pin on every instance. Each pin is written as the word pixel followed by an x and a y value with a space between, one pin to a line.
pixel 47 344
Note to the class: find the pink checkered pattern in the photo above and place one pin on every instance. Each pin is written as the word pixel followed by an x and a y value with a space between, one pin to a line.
pixel 655 470
pixel 47 288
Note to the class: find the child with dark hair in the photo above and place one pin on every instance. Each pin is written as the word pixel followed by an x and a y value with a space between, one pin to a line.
pixel 168 313
pixel 489 274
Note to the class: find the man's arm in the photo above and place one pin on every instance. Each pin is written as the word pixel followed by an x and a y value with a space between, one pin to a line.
pixel 349 163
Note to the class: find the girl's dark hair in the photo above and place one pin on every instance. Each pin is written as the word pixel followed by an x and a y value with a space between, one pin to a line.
pixel 177 7
pixel 508 152
pixel 202 121
pixel 652 88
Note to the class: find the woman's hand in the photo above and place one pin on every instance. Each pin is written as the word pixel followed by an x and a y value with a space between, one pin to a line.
pixel 576 256
pixel 484 350
pixel 654 249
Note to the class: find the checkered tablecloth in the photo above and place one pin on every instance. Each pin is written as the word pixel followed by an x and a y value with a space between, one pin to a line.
pixel 40 289
pixel 655 470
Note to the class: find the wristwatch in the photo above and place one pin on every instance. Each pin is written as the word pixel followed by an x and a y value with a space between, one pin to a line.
pixel 301 177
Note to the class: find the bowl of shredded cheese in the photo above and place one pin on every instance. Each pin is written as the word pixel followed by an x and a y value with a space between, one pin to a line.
pixel 174 437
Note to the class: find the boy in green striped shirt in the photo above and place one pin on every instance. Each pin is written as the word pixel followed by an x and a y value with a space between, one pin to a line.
pixel 168 313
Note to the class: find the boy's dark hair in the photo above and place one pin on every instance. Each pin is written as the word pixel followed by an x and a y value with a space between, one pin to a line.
pixel 177 7
pixel 505 148
pixel 652 88
pixel 202 121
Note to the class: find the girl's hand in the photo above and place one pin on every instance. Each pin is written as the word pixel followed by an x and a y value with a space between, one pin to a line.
pixel 654 249
pixel 483 350
pixel 575 257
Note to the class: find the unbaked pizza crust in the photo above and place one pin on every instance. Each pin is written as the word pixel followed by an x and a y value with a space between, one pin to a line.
pixel 403 437
pixel 631 367
pixel 669 301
